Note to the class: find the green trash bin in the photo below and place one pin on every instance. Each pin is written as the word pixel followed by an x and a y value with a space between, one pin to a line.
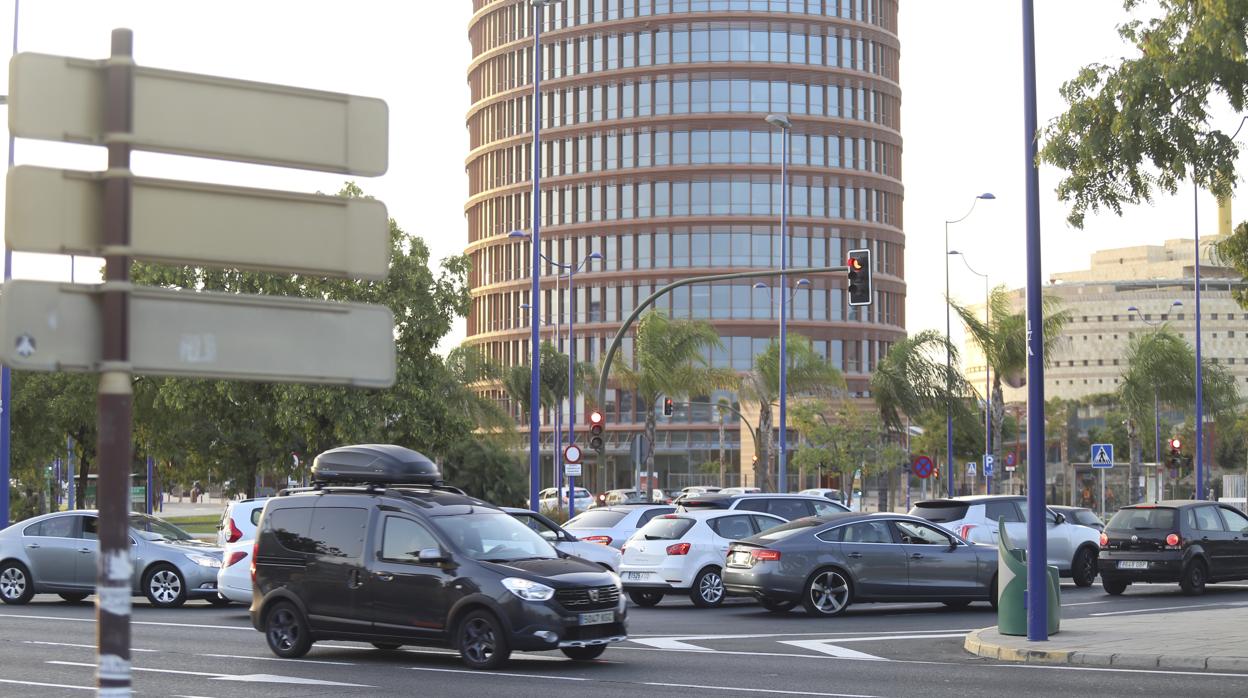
pixel 1012 589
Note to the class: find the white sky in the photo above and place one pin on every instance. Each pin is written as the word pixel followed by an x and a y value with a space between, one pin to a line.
pixel 962 98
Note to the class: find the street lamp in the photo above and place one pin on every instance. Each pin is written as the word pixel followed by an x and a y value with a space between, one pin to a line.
pixel 785 125
pixel 949 348
pixel 987 378
pixel 1156 411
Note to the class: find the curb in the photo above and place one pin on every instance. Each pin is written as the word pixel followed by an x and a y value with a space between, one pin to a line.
pixel 975 644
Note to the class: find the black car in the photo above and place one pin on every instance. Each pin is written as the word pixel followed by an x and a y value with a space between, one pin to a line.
pixel 380 551
pixel 1190 542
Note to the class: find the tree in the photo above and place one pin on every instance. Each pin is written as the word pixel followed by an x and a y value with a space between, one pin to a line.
pixel 488 471
pixel 1003 341
pixel 808 373
pixel 552 380
pixel 670 358
pixel 1143 124
pixel 914 377
pixel 47 407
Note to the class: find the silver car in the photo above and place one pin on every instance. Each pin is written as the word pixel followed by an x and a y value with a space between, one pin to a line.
pixel 57 553
pixel 613 525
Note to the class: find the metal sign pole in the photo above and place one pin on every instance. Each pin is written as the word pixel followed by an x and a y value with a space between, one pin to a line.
pixel 1102 470
pixel 115 402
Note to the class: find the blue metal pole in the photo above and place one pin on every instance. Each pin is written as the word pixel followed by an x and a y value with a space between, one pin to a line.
pixel 571 380
pixel 1157 444
pixel 987 383
pixel 1037 540
pixel 69 473
pixel 1200 372
pixel 5 377
pixel 949 469
pixel 535 300
pixel 781 457
pixel 150 479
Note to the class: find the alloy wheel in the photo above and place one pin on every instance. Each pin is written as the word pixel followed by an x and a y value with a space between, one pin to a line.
pixel 12 583
pixel 829 592
pixel 479 642
pixel 284 629
pixel 165 586
pixel 711 588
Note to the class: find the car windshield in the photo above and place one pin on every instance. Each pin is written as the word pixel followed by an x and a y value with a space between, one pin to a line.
pixel 493 537
pixel 152 528
pixel 789 529
pixel 1133 519
pixel 595 518
pixel 669 527
pixel 1084 517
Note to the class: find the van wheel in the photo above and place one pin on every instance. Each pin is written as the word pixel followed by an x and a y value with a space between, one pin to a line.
pixel 1114 587
pixel 1083 567
pixel 828 593
pixel 16 586
pixel 1194 577
pixel 481 642
pixel 708 589
pixel 286 630
pixel 645 599
pixel 164 587
pixel 584 654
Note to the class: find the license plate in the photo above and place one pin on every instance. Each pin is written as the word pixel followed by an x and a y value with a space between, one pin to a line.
pixel 741 558
pixel 635 576
pixel 1133 564
pixel 598 618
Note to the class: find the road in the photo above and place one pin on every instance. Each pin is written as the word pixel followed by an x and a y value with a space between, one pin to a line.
pixel 47 649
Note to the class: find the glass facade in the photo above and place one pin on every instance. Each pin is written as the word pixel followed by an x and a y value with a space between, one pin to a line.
pixel 655 155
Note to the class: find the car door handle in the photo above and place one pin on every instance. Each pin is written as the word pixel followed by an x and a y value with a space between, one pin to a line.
pixel 384 576
pixel 855 555
pixel 916 556
pixel 354 581
pixel 33 546
pixel 84 550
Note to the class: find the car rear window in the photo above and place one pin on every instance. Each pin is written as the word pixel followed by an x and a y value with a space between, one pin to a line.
pixel 1150 519
pixel 713 503
pixel 940 512
pixel 666 528
pixel 596 518
pixel 792 528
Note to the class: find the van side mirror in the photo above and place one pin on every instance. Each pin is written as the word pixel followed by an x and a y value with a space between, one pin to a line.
pixel 432 555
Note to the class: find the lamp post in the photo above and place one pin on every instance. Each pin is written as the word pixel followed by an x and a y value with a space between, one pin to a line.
pixel 987 377
pixel 949 350
pixel 783 123
pixel 1156 411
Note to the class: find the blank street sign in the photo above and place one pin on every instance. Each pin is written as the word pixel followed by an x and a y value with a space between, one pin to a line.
pixel 60 212
pixel 46 326
pixel 62 99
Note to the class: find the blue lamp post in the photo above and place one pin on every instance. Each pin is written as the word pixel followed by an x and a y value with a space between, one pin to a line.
pixel 949 351
pixel 987 376
pixel 783 123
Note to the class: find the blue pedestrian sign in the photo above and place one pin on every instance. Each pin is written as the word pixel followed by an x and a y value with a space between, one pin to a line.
pixel 1102 455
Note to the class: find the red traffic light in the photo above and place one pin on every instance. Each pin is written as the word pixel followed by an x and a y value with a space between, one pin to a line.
pixel 1175 444
pixel 595 418
pixel 853 263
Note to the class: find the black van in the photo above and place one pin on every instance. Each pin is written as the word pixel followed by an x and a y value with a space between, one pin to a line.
pixel 379 550
pixel 1185 541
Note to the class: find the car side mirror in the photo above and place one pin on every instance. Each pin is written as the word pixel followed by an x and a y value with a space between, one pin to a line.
pixel 953 545
pixel 1059 518
pixel 432 555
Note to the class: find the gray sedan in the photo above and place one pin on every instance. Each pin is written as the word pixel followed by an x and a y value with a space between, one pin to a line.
pixel 57 553
pixel 828 562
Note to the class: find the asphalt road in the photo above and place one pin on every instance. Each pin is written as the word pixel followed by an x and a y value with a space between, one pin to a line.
pixel 47 649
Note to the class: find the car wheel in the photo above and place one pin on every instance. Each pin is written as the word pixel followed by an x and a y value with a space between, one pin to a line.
pixel 1083 567
pixel 957 603
pixel 1194 577
pixel 16 586
pixel 777 606
pixel 286 631
pixel 645 599
pixel 75 597
pixel 828 593
pixel 1114 587
pixel 481 642
pixel 387 645
pixel 164 586
pixel 708 589
pixel 584 654
pixel 219 601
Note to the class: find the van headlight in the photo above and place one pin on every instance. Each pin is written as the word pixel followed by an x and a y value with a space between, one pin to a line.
pixel 204 561
pixel 528 589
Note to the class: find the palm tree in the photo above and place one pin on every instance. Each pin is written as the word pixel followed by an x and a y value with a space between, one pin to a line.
pixel 670 358
pixel 913 377
pixel 552 381
pixel 467 371
pixel 1003 340
pixel 808 372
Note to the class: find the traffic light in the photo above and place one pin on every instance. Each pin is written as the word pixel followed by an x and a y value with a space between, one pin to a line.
pixel 596 424
pixel 859 263
pixel 668 407
pixel 1175 445
pixel 1176 456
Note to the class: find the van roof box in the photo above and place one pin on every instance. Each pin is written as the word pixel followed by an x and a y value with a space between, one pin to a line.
pixel 384 464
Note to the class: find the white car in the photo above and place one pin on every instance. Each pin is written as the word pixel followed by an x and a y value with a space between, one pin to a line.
pixel 549 499
pixel 236 534
pixel 563 541
pixel 740 490
pixel 684 554
pixel 835 495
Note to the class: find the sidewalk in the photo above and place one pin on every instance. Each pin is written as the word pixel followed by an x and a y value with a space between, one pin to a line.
pixel 1213 640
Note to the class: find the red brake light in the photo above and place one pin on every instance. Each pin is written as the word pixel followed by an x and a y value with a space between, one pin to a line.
pixel 602 540
pixel 965 531
pixel 678 549
pixel 235 557
pixel 235 534
pixel 1104 541
pixel 764 555
pixel 1172 539
pixel 255 548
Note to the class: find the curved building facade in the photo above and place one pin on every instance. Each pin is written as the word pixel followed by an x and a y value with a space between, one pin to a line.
pixel 655 154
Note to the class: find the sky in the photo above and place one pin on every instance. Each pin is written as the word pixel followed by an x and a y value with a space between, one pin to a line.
pixel 962 117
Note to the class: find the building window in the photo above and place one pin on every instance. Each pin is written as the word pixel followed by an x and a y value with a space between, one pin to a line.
pixel 1230 334
pixel 1114 317
pixel 1115 362
pixel 1085 362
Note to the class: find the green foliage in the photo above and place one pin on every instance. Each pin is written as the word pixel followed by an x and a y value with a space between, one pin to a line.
pixel 914 377
pixel 1143 124
pixel 552 380
pixel 486 470
pixel 47 407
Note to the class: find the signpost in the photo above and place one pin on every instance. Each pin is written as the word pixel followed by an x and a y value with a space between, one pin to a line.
pixel 922 467
pixel 572 464
pixel 1102 459
pixel 989 470
pixel 50 327
pixel 972 473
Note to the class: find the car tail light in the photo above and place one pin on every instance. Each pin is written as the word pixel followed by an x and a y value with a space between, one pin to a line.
pixel 235 534
pixel 601 540
pixel 255 548
pixel 764 555
pixel 965 531
pixel 678 549
pixel 1104 541
pixel 1173 539
pixel 235 557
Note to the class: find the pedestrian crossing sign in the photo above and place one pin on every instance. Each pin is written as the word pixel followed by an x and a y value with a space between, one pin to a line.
pixel 1102 455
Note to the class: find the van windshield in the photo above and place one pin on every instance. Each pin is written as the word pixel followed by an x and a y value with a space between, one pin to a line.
pixel 493 537
pixel 1131 519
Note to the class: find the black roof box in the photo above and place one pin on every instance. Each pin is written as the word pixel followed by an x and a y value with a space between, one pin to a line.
pixel 375 464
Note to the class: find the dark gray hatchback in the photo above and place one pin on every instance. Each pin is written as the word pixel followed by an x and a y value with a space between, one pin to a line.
pixel 1190 542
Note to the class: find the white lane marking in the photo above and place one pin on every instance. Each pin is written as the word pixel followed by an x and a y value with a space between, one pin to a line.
pixel 1085 603
pixel 218 676
pixel 132 622
pixel 764 635
pixel 210 674
pixel 47 685
pixel 276 659
pixel 832 650
pixel 734 689
pixel 1166 608
pixel 71 644
pixel 680 642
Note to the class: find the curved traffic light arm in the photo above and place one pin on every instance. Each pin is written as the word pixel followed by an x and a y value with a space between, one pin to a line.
pixel 632 317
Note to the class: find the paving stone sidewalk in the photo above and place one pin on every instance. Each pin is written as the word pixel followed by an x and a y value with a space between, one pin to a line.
pixel 1212 640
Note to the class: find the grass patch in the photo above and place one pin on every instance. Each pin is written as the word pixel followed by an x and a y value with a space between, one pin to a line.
pixel 196 525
